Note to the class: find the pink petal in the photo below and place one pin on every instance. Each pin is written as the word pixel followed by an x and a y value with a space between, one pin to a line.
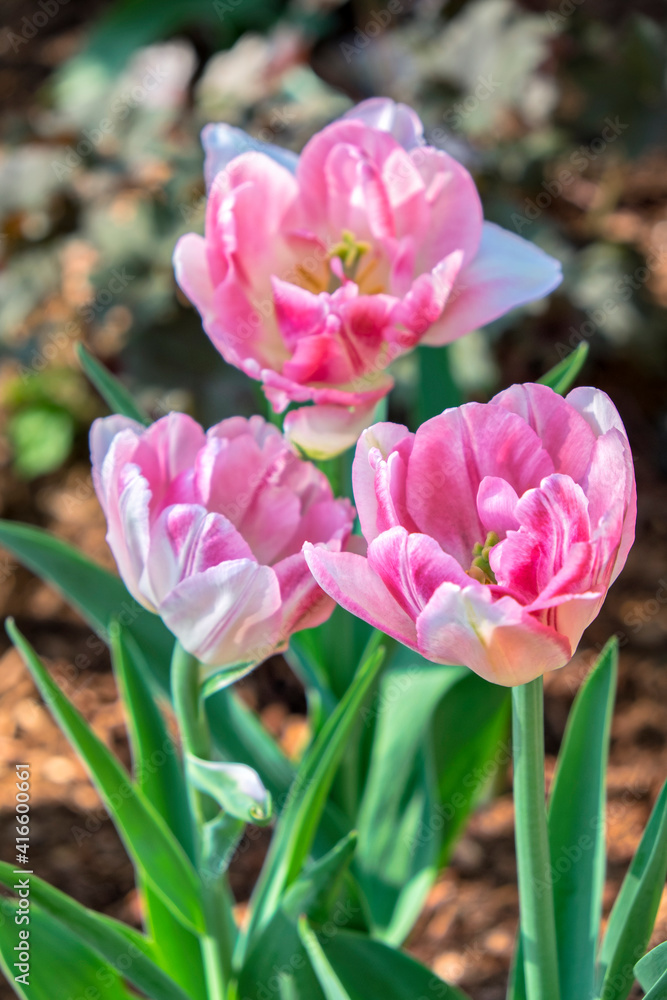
pixel 227 615
pixel 610 484
pixel 386 115
pixel 384 439
pixel 564 433
pixel 496 639
pixel 348 578
pixel 222 143
pixel 506 272
pixel 187 540
pixel 304 603
pixel 496 505
pixel 455 214
pixel 324 431
pixel 193 276
pixel 412 567
pixel 451 456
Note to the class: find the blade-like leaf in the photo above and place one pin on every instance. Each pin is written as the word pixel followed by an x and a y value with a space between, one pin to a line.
pixel 156 766
pixel 61 966
pixel 114 393
pixel 98 595
pixel 314 889
pixel 119 945
pixel 368 968
pixel 577 827
pixel 395 865
pixel 331 985
pixel 298 822
pixel 158 774
pixel 562 376
pixel 651 971
pixel 145 834
pixel 633 915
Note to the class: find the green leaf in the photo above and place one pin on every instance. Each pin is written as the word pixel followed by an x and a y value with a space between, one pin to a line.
pixel 240 737
pixel 470 757
pixel 313 891
pixel 437 388
pixel 119 945
pixel 114 393
pixel 563 375
pixel 98 595
pixel 394 866
pixel 331 985
pixel 368 968
pixel 143 831
pixel 62 966
pixel 651 971
pixel 156 767
pixel 577 827
pixel 278 951
pixel 633 914
pixel 157 771
pixel 301 815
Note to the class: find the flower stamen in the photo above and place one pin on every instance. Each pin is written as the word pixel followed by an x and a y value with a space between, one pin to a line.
pixel 480 568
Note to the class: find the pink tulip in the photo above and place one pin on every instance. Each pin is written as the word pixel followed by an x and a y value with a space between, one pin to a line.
pixel 493 533
pixel 316 272
pixel 207 530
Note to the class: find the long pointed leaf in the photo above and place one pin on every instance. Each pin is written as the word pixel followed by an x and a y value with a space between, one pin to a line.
pixel 651 971
pixel 297 825
pixel 98 595
pixel 145 834
pixel 62 967
pixel 563 375
pixel 331 985
pixel 121 946
pixel 577 827
pixel 158 774
pixel 633 915
pixel 119 398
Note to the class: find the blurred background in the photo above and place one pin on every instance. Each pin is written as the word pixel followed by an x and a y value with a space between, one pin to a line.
pixel 558 109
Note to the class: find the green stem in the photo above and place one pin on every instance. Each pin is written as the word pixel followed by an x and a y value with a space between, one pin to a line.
pixel 536 905
pixel 196 739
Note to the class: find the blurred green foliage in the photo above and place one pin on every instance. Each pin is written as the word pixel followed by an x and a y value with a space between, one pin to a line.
pixel 558 110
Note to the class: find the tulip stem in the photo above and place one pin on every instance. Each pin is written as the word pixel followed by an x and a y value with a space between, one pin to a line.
pixel 536 905
pixel 196 740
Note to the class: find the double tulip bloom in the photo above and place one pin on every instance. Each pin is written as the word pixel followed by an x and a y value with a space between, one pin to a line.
pixel 493 533
pixel 207 530
pixel 316 272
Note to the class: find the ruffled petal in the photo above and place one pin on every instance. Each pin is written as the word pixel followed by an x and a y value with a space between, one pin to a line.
pixel 506 272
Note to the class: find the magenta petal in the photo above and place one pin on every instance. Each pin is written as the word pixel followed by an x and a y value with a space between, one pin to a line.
pixel 412 567
pixel 564 432
pixel 351 582
pixel 496 639
pixel 452 454
pixel 506 272
pixel 496 505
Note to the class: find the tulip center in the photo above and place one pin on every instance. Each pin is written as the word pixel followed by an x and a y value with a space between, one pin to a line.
pixel 480 567
pixel 346 261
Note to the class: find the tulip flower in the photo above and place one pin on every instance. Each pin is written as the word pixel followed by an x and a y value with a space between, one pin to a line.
pixel 494 532
pixel 316 272
pixel 207 530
